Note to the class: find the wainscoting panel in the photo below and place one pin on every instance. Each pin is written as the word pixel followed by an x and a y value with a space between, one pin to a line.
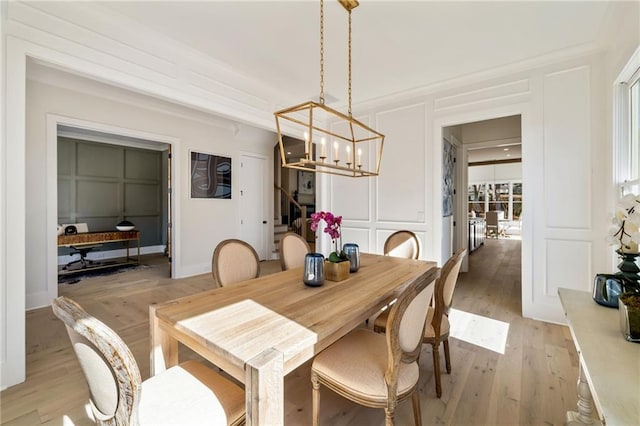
pixel 360 236
pixel 491 93
pixel 567 147
pixel 401 183
pixel 565 261
pixel 351 197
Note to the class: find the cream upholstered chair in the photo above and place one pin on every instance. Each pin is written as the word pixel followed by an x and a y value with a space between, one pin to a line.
pixel 234 261
pixel 402 244
pixel 378 370
pixel 437 329
pixel 187 394
pixel 293 249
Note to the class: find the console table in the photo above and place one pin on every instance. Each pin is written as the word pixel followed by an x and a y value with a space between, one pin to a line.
pixel 609 371
pixel 89 238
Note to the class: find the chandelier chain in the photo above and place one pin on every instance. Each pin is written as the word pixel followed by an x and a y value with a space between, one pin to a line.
pixel 349 63
pixel 322 52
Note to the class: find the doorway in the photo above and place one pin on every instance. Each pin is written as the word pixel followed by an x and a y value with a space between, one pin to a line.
pixel 102 133
pixel 490 181
pixel 253 223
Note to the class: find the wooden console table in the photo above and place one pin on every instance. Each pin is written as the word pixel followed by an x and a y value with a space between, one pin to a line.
pixel 609 365
pixel 89 238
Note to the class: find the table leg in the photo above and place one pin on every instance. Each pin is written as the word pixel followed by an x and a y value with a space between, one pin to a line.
pixel 584 415
pixel 264 387
pixel 164 349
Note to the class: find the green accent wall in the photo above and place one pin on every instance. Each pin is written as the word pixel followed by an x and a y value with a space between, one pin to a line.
pixel 103 184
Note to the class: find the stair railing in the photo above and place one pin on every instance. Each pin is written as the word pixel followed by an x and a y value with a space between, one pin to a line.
pixel 294 212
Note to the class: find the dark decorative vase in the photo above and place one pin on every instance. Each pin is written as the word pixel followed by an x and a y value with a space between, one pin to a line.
pixel 313 271
pixel 629 270
pixel 629 301
pixel 353 251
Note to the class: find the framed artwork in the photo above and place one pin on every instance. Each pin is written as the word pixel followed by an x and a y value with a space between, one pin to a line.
pixel 448 170
pixel 210 176
pixel 306 182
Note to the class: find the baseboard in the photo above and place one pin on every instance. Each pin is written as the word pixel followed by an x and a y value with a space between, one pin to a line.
pixel 37 300
pixel 190 271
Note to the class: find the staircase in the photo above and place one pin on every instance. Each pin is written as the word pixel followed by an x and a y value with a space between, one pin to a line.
pixel 279 229
pixel 293 210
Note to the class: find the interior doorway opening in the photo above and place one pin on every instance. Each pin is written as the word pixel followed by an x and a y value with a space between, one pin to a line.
pixel 488 186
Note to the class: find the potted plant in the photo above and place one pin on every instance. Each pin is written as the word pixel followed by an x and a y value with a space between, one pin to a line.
pixel 625 236
pixel 336 267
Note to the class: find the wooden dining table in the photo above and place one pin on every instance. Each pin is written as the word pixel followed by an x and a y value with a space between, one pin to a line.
pixel 260 330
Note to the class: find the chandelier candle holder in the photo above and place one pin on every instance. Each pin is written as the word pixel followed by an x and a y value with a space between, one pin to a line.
pixel 318 123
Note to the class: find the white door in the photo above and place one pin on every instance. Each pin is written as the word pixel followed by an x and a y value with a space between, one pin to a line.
pixel 253 220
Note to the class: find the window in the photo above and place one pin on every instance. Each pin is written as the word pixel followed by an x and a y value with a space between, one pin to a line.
pixel 627 127
pixel 501 196
pixel 634 119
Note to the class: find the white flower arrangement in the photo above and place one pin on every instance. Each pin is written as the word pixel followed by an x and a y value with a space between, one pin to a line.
pixel 625 232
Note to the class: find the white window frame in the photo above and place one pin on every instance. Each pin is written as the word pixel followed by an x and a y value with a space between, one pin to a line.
pixel 630 74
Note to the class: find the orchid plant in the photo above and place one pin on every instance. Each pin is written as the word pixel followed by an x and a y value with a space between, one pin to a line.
pixel 625 232
pixel 333 228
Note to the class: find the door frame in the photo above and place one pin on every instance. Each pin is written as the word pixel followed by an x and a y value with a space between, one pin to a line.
pixel 53 120
pixel 528 172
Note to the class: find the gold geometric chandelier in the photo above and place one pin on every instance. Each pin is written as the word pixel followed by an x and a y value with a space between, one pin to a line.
pixel 334 142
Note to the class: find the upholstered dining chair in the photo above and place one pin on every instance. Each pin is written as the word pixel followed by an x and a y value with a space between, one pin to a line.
pixel 378 370
pixel 293 249
pixel 187 394
pixel 492 223
pixel 234 261
pixel 402 244
pixel 437 328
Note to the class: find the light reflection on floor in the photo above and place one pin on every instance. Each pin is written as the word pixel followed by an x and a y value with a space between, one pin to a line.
pixel 478 330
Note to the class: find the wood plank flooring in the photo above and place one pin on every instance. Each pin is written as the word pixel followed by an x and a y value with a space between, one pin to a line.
pixel 532 383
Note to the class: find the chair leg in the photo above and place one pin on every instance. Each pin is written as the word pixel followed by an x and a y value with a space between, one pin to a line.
pixel 436 366
pixel 417 414
pixel 447 355
pixel 389 418
pixel 315 399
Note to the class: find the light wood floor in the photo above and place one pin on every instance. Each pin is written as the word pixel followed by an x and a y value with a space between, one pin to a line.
pixel 532 383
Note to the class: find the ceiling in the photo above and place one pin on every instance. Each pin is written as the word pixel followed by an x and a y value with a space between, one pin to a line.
pixel 397 45
pixel 504 152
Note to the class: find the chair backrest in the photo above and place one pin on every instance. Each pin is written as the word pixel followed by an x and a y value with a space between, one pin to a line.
pixel 108 365
pixel 492 218
pixel 445 285
pixel 234 261
pixel 402 244
pixel 405 328
pixel 293 249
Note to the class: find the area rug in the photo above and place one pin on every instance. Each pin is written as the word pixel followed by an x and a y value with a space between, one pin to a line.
pixel 80 275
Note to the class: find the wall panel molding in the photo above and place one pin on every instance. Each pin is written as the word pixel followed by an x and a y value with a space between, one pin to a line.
pixel 565 266
pixel 567 148
pixel 492 93
pixel 402 180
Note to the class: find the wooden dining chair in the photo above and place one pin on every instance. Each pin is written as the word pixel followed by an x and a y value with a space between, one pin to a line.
pixel 437 328
pixel 378 370
pixel 187 394
pixel 402 244
pixel 293 249
pixel 234 261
